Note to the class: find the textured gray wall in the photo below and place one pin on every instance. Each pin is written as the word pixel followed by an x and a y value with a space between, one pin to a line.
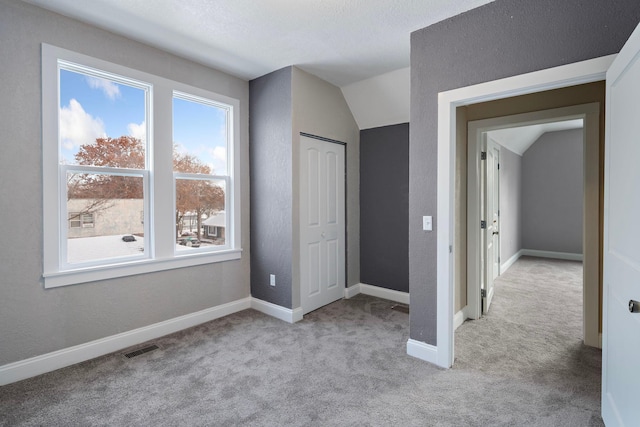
pixel 552 193
pixel 34 321
pixel 510 204
pixel 500 39
pixel 270 114
pixel 384 207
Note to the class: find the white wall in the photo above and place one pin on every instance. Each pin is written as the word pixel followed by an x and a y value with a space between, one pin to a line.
pixel 380 101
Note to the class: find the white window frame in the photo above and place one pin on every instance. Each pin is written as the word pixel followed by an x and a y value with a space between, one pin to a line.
pixel 203 177
pixel 160 243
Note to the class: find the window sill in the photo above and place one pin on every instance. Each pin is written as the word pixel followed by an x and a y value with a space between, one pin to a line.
pixel 92 274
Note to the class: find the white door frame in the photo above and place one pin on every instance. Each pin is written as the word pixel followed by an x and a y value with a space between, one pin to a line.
pixel 590 114
pixel 553 78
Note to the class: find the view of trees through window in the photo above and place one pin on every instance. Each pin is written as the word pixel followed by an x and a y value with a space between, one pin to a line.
pixel 104 150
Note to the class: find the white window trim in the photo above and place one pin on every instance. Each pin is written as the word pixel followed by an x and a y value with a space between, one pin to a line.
pixel 162 254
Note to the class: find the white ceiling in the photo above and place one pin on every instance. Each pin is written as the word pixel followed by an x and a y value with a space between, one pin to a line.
pixel 519 139
pixel 341 41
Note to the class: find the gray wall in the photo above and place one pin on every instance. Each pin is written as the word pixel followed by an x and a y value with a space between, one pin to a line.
pixel 283 104
pixel 510 204
pixel 501 39
pixel 34 321
pixel 384 207
pixel 270 114
pixel 552 193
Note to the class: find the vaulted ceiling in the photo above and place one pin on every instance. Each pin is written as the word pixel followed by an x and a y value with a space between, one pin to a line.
pixel 519 139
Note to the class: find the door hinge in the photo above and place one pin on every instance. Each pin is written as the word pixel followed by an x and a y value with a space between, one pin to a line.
pixel 450 249
pixel 498 166
pixel 483 155
pixel 483 224
pixel 483 293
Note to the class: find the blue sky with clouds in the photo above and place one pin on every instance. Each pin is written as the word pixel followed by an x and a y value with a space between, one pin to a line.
pixel 93 107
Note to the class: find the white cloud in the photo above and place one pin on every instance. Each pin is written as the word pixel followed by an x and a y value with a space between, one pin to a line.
pixel 180 148
pixel 138 131
pixel 78 127
pixel 109 88
pixel 219 155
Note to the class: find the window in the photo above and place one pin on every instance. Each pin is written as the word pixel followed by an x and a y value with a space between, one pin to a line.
pixel 115 139
pixel 80 220
pixel 200 135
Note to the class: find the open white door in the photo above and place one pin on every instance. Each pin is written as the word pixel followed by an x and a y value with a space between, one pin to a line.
pixel 492 215
pixel 621 315
pixel 322 222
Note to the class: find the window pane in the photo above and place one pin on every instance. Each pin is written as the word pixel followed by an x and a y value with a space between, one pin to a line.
pixel 102 209
pixel 200 137
pixel 101 122
pixel 200 209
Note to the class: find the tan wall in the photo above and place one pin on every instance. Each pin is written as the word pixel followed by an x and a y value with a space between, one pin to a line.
pixel 460 231
pixel 319 108
pixel 118 216
pixel 565 97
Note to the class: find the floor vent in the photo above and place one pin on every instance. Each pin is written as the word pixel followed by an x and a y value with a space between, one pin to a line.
pixel 400 307
pixel 141 351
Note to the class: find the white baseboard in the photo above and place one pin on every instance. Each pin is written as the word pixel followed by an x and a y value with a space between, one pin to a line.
pixel 279 312
pixel 459 318
pixel 37 365
pixel 508 263
pixel 377 291
pixel 422 351
pixel 352 291
pixel 551 254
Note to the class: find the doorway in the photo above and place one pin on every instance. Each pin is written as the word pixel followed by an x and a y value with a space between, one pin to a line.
pixel 449 130
pixel 322 222
pixel 477 270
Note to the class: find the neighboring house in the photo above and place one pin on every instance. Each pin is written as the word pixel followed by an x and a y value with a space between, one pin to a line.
pixel 214 227
pixel 116 216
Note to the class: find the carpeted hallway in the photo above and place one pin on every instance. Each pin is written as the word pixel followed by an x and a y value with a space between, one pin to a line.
pixel 343 365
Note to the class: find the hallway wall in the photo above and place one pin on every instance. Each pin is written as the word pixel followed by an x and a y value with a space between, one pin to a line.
pixel 552 193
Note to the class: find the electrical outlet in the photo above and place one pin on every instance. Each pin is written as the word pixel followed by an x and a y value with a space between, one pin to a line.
pixel 272 279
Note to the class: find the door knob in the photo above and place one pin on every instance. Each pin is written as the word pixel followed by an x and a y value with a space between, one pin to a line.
pixel 496 232
pixel 634 306
pixel 322 235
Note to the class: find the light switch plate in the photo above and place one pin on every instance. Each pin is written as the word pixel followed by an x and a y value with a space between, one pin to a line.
pixel 427 223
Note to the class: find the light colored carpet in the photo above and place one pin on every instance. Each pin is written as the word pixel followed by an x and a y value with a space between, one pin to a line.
pixel 343 365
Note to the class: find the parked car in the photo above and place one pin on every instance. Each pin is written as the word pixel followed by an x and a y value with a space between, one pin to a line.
pixel 189 241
